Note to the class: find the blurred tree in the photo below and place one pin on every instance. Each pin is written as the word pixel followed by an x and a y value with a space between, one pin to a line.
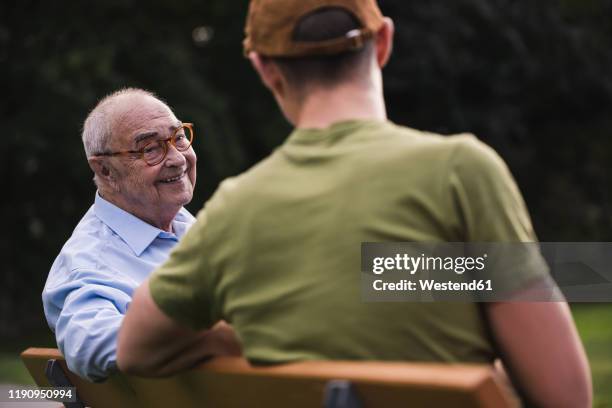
pixel 533 79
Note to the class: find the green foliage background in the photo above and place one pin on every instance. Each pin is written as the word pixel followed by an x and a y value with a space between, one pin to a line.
pixel 531 78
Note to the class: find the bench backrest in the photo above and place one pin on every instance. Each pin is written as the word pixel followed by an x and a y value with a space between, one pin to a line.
pixel 232 382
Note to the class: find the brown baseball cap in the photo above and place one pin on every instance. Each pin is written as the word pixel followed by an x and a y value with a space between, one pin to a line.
pixel 271 23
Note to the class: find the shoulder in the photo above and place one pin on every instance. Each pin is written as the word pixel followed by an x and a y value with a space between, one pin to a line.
pixel 471 157
pixel 234 198
pixel 90 239
pixel 469 147
pixel 398 149
pixel 408 144
pixel 459 146
pixel 80 259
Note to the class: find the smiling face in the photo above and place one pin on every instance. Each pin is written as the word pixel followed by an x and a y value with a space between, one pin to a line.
pixel 154 194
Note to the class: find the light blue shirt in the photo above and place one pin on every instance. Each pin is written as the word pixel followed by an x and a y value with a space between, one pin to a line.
pixel 90 285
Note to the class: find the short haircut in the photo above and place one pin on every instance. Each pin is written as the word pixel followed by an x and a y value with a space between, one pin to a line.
pixel 98 127
pixel 326 70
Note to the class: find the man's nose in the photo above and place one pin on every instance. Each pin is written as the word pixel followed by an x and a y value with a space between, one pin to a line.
pixel 174 158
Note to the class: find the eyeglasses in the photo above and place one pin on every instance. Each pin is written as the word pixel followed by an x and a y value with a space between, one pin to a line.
pixel 155 152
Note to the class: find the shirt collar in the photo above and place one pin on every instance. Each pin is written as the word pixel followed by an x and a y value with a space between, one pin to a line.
pixel 334 132
pixel 134 231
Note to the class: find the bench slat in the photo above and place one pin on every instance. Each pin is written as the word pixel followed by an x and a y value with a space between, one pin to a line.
pixel 233 382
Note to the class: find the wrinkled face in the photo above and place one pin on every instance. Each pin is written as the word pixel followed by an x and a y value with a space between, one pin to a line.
pixel 150 192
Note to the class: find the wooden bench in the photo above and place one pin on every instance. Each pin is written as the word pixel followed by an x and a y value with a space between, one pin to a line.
pixel 232 382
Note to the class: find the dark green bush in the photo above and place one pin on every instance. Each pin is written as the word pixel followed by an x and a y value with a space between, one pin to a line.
pixel 531 78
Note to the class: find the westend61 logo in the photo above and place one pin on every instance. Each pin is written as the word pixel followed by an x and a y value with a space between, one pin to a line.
pixel 412 264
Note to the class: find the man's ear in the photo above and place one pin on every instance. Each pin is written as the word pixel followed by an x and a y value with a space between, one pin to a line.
pixel 102 169
pixel 384 42
pixel 268 72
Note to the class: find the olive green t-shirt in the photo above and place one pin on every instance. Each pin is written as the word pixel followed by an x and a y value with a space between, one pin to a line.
pixel 276 250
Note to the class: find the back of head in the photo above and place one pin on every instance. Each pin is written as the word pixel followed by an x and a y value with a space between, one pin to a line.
pixel 325 70
pixel 319 42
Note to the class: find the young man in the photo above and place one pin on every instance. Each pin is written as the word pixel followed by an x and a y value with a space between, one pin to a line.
pixel 276 251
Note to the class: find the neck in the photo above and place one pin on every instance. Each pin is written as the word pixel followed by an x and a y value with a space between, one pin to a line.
pixel 323 107
pixel 159 219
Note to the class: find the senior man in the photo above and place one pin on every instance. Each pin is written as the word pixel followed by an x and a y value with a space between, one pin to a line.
pixel 145 171
pixel 289 278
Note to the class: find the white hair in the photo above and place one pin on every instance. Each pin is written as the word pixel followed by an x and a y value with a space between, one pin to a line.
pixel 98 126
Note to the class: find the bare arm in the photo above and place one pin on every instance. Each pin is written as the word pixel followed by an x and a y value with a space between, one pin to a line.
pixel 542 352
pixel 151 344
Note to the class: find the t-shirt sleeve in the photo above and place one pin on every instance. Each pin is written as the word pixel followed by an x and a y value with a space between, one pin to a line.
pixel 486 196
pixel 491 210
pixel 179 286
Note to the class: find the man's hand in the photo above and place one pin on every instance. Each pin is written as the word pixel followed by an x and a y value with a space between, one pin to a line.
pixel 152 345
